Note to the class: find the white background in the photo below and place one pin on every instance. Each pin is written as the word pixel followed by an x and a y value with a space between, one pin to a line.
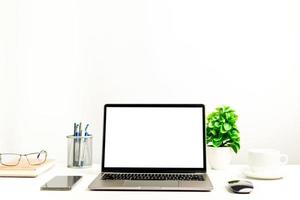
pixel 61 60
pixel 154 137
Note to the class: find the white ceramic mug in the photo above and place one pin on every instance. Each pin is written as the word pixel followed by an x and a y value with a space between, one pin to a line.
pixel 266 160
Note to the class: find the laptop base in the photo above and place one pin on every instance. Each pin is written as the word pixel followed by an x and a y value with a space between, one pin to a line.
pixel 149 185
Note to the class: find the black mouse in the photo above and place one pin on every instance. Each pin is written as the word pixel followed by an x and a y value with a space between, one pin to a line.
pixel 240 186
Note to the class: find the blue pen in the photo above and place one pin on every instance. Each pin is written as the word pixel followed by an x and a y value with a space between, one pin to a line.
pixel 85 139
pixel 80 131
pixel 85 144
pixel 75 129
pixel 85 130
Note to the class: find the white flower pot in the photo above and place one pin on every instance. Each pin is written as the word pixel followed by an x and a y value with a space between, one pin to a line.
pixel 219 158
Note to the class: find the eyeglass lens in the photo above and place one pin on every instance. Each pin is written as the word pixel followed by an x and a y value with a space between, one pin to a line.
pixel 10 159
pixel 37 158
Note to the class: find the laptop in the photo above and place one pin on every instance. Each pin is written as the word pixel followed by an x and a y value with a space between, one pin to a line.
pixel 153 147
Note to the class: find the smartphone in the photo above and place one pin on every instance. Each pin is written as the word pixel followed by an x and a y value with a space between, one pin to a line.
pixel 61 183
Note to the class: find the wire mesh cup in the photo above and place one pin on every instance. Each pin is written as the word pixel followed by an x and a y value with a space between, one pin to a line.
pixel 80 151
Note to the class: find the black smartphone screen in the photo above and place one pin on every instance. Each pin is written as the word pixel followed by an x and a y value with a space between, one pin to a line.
pixel 61 183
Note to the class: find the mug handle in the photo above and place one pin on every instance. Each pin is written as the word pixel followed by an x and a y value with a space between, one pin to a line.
pixel 284 159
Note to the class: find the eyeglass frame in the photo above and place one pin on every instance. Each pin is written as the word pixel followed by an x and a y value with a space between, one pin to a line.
pixel 25 155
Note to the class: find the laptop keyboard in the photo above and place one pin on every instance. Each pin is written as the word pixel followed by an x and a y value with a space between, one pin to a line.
pixel 154 176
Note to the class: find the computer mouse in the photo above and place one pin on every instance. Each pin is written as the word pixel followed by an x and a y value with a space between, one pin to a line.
pixel 240 186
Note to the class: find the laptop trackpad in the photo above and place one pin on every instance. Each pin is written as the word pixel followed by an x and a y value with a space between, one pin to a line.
pixel 151 184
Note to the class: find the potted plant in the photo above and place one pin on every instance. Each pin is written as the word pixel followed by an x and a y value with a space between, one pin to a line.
pixel 222 137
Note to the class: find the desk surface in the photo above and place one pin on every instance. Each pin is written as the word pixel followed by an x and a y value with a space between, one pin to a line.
pixel 14 188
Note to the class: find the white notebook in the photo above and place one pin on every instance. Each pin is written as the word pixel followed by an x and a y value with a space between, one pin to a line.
pixel 25 170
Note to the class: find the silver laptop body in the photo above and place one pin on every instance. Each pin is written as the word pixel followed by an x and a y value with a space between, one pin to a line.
pixel 153 147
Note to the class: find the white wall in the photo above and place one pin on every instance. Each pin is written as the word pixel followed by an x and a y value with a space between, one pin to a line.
pixel 61 60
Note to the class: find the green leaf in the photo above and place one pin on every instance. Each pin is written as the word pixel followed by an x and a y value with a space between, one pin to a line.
pixel 222 130
pixel 219 109
pixel 222 120
pixel 232 120
pixel 233 135
pixel 216 143
pixel 213 132
pixel 227 116
pixel 234 147
pixel 227 109
pixel 217 124
pixel 208 140
pixel 210 125
pixel 238 145
pixel 227 126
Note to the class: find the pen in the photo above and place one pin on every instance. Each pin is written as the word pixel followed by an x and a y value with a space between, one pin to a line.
pixel 74 129
pixel 80 162
pixel 85 144
pixel 74 144
pixel 80 130
pixel 85 130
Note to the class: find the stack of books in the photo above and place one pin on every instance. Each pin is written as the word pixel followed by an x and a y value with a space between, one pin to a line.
pixel 25 170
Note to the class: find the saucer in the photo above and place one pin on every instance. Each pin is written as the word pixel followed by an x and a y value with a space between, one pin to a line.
pixel 267 175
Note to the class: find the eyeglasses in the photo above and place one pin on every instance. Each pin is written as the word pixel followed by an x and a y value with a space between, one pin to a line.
pixel 13 159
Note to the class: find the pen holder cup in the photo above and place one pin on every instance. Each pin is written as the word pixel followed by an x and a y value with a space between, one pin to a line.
pixel 80 151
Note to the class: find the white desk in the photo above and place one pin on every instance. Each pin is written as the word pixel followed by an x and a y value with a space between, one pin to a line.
pixel 20 188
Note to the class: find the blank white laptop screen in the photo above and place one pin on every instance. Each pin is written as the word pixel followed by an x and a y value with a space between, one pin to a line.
pixel 154 137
